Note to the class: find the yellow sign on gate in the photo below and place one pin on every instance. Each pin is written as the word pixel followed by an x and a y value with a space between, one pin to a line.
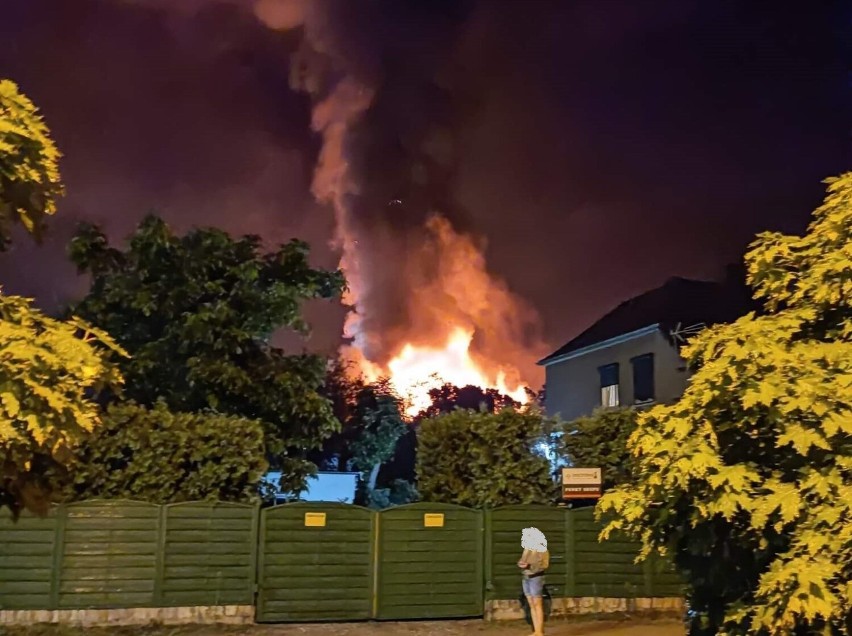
pixel 315 519
pixel 433 521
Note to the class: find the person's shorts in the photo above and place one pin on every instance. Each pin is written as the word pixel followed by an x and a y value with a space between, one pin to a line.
pixel 534 587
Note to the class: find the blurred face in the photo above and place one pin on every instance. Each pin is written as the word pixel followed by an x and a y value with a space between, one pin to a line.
pixel 533 539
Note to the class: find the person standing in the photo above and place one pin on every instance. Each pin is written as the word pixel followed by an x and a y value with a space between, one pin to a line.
pixel 534 562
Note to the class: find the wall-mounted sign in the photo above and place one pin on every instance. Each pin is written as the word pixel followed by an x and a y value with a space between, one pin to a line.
pixel 433 521
pixel 315 519
pixel 581 483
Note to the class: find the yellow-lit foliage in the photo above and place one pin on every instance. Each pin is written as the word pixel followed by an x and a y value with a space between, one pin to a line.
pixel 747 480
pixel 29 171
pixel 48 369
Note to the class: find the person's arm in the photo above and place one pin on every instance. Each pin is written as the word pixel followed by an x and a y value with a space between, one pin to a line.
pixel 537 562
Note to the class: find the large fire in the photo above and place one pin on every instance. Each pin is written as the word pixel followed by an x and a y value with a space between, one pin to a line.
pixel 465 326
pixel 416 370
pixel 451 321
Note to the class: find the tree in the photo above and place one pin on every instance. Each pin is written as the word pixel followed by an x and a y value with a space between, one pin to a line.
pixel 477 458
pixel 29 172
pixel 163 457
pixel 449 397
pixel 371 417
pixel 747 480
pixel 379 418
pixel 196 314
pixel 444 399
pixel 600 440
pixel 48 370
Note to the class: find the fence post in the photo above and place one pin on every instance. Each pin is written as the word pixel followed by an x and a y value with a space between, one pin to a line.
pixel 260 566
pixel 482 554
pixel 487 585
pixel 254 581
pixel 570 555
pixel 377 522
pixel 58 553
pixel 648 570
pixel 160 564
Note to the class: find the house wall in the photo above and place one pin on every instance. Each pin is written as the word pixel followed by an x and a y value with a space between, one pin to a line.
pixel 573 385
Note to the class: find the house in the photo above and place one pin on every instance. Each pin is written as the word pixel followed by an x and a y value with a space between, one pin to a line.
pixel 630 357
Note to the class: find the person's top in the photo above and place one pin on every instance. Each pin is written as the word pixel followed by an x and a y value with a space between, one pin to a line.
pixel 538 562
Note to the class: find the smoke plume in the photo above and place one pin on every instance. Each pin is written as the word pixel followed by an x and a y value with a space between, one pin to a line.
pixel 388 103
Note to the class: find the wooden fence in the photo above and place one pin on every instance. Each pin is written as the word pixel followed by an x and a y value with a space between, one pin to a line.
pixel 307 561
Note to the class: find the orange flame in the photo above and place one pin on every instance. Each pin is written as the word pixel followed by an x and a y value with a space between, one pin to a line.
pixel 417 370
pixel 466 327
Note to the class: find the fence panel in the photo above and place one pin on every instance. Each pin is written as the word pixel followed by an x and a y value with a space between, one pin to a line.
pixel 316 563
pixel 604 569
pixel 430 562
pixel 503 548
pixel 209 551
pixel 109 557
pixel 664 579
pixel 26 560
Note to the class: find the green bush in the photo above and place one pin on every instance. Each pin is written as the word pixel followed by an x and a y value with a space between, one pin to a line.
pixel 600 441
pixel 399 493
pixel 163 457
pixel 478 459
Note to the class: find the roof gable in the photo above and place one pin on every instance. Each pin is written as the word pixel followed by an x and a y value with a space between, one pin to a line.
pixel 679 301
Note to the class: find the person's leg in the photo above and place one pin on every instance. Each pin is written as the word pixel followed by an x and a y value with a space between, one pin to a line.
pixel 531 603
pixel 537 605
pixel 528 590
pixel 537 612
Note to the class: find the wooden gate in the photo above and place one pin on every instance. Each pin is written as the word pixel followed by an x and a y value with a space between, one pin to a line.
pixel 429 562
pixel 315 563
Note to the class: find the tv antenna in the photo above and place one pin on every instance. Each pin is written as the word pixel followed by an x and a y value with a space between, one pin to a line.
pixel 681 334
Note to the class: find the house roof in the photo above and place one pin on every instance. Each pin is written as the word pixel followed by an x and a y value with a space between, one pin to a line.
pixel 679 300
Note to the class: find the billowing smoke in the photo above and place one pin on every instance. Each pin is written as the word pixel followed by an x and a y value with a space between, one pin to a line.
pixel 388 102
pixel 577 145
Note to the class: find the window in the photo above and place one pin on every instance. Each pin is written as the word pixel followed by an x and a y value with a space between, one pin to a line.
pixel 643 378
pixel 609 385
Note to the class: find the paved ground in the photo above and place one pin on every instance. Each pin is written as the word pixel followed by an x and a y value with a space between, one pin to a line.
pixel 419 628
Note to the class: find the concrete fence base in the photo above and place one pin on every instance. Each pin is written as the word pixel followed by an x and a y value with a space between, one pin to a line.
pixel 564 607
pixel 244 614
pixel 228 614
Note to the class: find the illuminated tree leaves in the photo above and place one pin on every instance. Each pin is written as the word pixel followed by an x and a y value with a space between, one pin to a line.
pixel 802 439
pixel 47 371
pixel 29 170
pixel 747 479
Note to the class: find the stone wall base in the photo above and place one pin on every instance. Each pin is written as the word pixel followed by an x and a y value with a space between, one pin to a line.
pixel 511 609
pixel 244 614
pixel 229 614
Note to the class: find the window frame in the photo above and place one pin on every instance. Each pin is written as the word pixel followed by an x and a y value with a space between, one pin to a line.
pixel 604 394
pixel 651 380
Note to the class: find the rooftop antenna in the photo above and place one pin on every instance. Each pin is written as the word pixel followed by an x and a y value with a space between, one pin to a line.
pixel 681 334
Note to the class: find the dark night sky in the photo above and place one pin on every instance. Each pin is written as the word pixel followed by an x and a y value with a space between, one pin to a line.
pixel 611 145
